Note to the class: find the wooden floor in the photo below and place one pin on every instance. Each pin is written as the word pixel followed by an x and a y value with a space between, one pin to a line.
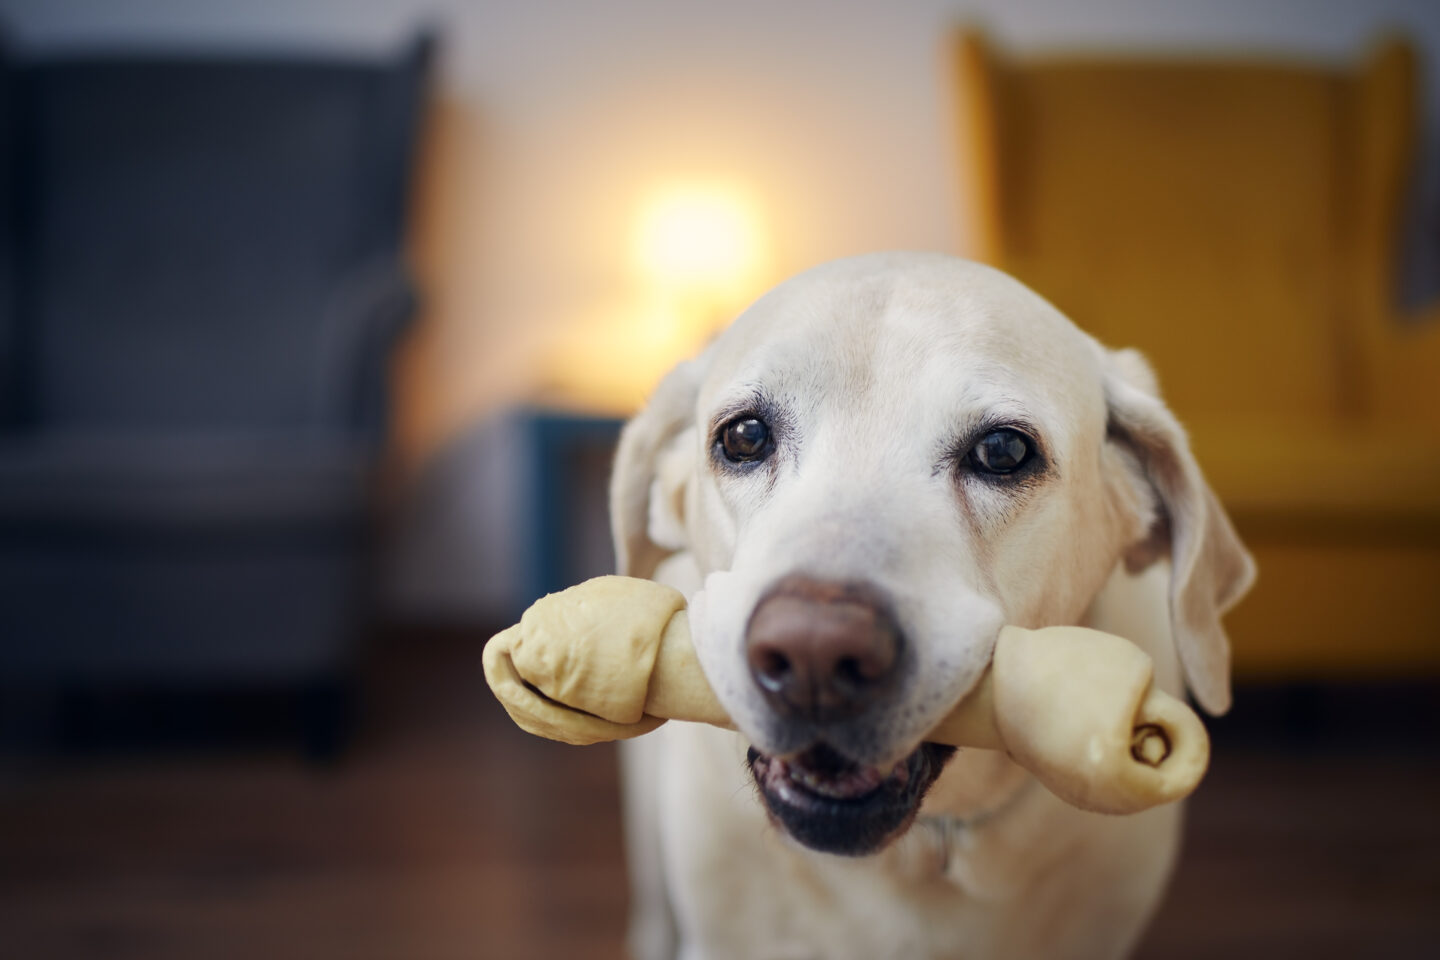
pixel 448 834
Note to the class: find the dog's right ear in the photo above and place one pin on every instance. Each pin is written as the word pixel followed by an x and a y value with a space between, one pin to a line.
pixel 650 482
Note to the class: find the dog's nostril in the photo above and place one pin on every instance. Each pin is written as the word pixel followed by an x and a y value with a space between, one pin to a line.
pixel 773 669
pixel 850 670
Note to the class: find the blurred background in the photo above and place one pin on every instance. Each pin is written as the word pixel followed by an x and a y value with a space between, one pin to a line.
pixel 318 320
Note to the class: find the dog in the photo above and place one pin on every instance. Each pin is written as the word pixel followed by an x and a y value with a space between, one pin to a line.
pixel 872 470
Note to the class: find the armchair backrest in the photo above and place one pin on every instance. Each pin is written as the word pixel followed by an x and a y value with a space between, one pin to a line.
pixel 1235 216
pixel 187 226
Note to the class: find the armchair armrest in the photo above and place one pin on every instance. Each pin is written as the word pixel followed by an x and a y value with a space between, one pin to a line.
pixel 363 320
pixel 1408 381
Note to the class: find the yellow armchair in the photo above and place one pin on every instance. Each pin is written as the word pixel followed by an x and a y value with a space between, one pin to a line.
pixel 1237 220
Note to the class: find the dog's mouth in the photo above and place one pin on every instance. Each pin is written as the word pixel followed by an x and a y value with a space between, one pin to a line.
pixel 831 804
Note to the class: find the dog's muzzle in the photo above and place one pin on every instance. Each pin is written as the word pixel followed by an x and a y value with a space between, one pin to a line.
pixel 826 657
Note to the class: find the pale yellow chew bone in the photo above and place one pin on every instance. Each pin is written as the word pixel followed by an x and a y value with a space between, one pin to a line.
pixel 612 658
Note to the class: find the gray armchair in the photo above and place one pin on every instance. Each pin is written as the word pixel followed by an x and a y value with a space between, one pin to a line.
pixel 202 286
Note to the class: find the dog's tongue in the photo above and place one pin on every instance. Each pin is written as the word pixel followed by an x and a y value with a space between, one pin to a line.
pixel 823 771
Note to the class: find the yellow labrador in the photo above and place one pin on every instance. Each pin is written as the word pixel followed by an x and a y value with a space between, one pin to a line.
pixel 877 466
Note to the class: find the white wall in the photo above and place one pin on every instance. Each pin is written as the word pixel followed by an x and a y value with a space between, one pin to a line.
pixel 835 113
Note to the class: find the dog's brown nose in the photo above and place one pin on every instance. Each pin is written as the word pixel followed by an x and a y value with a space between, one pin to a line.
pixel 824 651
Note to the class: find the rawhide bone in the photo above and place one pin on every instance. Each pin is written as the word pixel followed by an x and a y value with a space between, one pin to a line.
pixel 612 658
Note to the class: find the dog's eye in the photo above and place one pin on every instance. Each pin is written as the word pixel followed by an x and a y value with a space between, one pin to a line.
pixel 1001 451
pixel 745 439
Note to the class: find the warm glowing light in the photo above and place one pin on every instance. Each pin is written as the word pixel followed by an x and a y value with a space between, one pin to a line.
pixel 699 239
pixel 698 258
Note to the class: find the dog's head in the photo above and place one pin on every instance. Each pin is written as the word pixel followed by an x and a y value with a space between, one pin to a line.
pixel 878 465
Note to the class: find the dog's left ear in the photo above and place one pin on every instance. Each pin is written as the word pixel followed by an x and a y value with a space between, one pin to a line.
pixel 1209 568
